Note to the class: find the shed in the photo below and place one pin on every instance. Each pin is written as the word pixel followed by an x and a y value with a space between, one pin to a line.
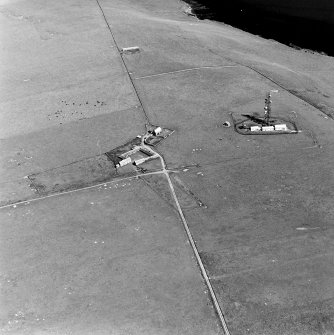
pixel 139 161
pixel 255 128
pixel 125 161
pixel 281 127
pixel 157 131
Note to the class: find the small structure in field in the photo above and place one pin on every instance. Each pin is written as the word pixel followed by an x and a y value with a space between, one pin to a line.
pixel 157 131
pixel 130 50
pixel 255 128
pixel 124 162
pixel 268 128
pixel 281 127
pixel 157 134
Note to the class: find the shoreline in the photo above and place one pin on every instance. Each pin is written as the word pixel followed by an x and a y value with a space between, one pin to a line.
pixel 298 33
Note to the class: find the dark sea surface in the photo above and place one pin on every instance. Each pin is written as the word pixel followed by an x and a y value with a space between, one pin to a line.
pixel 293 31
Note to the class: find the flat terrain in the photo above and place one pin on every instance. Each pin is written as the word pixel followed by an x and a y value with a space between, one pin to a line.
pixel 92 250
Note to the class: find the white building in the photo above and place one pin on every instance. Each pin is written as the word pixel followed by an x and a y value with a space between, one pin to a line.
pixel 125 161
pixel 281 127
pixel 255 128
pixel 140 161
pixel 268 128
pixel 157 131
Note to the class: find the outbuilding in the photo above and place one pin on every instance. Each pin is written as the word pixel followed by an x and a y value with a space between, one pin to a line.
pixel 125 161
pixel 255 128
pixel 139 161
pixel 157 131
pixel 281 127
pixel 268 128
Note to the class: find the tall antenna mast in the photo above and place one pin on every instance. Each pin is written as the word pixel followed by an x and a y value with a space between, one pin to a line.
pixel 267 107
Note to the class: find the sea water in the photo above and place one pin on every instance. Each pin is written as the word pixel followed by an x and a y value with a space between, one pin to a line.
pixel 293 31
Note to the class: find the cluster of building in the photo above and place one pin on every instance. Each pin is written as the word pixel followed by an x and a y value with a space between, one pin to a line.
pixel 276 127
pixel 140 154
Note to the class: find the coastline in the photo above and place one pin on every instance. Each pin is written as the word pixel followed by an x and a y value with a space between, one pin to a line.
pixel 291 28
